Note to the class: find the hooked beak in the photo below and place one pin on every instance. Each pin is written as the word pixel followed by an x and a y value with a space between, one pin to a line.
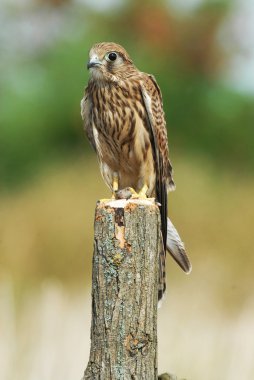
pixel 93 63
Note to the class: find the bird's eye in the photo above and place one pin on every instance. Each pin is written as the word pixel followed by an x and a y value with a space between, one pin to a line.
pixel 111 56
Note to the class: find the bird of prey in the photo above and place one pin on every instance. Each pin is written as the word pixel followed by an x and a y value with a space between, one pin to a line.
pixel 124 120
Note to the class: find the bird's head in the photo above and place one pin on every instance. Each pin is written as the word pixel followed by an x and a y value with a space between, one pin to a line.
pixel 109 62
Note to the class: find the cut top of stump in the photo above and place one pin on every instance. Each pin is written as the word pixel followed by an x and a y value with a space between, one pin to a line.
pixel 122 203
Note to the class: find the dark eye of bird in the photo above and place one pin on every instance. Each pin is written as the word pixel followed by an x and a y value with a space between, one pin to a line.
pixel 112 56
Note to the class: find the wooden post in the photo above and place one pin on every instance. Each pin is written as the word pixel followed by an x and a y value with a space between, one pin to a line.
pixel 125 291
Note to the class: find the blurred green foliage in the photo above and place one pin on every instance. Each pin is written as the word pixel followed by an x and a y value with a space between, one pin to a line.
pixel 46 229
pixel 41 88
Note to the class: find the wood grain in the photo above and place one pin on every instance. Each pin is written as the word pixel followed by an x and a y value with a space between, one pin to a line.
pixel 125 291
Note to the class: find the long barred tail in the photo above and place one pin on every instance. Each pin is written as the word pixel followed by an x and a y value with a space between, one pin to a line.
pixel 162 274
pixel 176 249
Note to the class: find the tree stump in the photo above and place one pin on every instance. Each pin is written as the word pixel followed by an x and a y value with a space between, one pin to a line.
pixel 125 291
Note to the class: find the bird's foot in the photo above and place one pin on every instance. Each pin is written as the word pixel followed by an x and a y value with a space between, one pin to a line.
pixel 114 190
pixel 134 194
pixel 113 196
pixel 115 184
pixel 142 193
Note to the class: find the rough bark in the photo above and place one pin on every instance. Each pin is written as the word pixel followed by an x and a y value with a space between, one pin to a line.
pixel 125 291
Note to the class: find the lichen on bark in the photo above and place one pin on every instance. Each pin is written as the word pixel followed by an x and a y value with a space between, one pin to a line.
pixel 125 291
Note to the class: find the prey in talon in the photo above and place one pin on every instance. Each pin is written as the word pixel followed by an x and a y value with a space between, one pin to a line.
pixel 124 120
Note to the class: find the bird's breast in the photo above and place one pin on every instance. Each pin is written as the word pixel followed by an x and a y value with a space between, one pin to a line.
pixel 119 125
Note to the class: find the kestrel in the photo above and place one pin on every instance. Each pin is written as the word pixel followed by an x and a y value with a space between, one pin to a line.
pixel 124 120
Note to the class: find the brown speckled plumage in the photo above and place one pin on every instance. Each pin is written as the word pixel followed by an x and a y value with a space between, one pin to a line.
pixel 124 120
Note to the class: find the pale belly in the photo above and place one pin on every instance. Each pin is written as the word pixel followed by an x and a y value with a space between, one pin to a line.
pixel 131 160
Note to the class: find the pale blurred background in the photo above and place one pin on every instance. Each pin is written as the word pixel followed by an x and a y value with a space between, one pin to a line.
pixel 202 54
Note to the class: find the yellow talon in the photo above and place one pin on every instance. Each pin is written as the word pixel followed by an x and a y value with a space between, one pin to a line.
pixel 115 182
pixel 142 193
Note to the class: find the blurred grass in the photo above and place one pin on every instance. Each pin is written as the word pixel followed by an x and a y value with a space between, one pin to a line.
pixel 47 228
pixel 48 338
pixel 46 252
pixel 49 184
